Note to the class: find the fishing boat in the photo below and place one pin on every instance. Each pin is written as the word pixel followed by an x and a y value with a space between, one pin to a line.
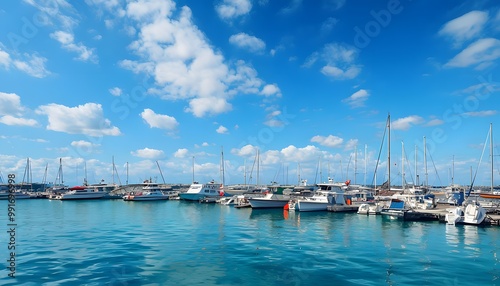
pixel 81 193
pixel 199 191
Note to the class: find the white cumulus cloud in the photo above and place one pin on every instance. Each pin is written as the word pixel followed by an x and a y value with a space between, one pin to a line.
pixel 148 153
pixel 67 41
pixel 247 42
pixel 465 27
pixel 357 99
pixel 222 130
pixel 230 9
pixel 406 122
pixel 481 52
pixel 161 121
pixel 87 119
pixel 329 141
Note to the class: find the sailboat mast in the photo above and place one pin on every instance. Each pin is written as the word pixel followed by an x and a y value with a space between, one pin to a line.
pixel 453 170
pixel 491 153
pixel 258 166
pixel 425 162
pixel 403 165
pixel 193 169
pixel 161 173
pixel 355 162
pixel 364 183
pixel 113 170
pixel 127 173
pixel 222 164
pixel 298 174
pixel 389 151
pixel 416 175
pixel 85 182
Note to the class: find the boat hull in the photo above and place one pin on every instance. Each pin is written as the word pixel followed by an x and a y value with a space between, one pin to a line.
pixel 311 206
pixel 195 197
pixel 76 198
pixel 489 196
pixel 145 198
pixel 260 203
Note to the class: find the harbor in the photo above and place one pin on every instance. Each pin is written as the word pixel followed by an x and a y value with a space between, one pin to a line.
pixel 191 243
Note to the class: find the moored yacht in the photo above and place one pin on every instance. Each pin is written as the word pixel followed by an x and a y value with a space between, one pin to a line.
pixel 199 191
pixel 327 194
pixel 148 193
pixel 4 195
pixel 81 193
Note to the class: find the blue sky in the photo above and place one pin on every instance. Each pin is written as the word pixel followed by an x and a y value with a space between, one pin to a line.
pixel 158 82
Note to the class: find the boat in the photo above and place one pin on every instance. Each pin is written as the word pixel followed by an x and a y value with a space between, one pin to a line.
pixel 396 209
pixel 4 195
pixel 232 200
pixel 273 198
pixel 270 200
pixel 198 191
pixel 208 200
pixel 148 193
pixel 81 193
pixel 369 209
pixel 472 214
pixel 327 194
pixel 493 195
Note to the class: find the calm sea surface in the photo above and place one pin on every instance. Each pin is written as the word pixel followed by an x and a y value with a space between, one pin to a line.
pixel 179 243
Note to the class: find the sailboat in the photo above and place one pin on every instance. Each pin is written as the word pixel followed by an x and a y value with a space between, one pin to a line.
pixel 472 213
pixel 492 194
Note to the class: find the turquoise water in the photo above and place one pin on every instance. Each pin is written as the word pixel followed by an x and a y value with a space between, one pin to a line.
pixel 180 243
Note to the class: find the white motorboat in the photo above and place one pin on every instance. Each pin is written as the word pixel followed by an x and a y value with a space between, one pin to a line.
pixel 473 214
pixel 369 209
pixel 4 195
pixel 233 200
pixel 81 193
pixel 328 194
pixel 199 191
pixel 270 200
pixel 148 193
